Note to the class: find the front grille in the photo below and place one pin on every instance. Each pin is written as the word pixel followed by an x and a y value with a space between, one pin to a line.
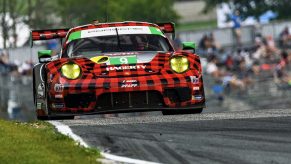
pixel 178 94
pixel 124 100
pixel 80 100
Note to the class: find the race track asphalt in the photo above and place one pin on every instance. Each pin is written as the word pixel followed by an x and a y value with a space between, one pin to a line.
pixel 257 136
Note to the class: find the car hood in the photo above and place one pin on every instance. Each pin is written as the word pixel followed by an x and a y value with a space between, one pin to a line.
pixel 145 63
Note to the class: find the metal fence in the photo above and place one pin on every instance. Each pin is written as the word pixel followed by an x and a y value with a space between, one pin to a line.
pixel 226 38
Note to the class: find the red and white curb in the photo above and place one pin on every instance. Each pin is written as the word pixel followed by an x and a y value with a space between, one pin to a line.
pixel 66 130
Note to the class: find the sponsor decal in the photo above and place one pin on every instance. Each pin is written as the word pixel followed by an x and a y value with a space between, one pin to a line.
pixel 197 97
pixel 129 84
pixel 58 105
pixel 40 90
pixel 134 67
pixel 58 96
pixel 38 105
pixel 100 59
pixel 121 30
pixel 122 54
pixel 112 31
pixel 59 87
pixel 122 60
pixel 194 79
pixel 196 88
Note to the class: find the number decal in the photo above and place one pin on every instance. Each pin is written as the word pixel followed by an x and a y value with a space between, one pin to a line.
pixel 123 60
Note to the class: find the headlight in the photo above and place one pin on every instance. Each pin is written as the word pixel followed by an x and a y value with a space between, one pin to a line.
pixel 71 71
pixel 179 64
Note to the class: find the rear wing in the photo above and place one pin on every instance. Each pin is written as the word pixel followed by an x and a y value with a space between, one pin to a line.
pixel 61 33
pixel 47 34
pixel 168 28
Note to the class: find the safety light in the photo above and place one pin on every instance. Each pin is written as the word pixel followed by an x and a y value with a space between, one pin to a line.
pixel 71 71
pixel 179 64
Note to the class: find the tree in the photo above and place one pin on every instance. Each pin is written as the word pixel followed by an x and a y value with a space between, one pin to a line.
pixel 35 13
pixel 4 23
pixel 15 11
pixel 73 12
pixel 255 7
pixel 43 14
pixel 144 10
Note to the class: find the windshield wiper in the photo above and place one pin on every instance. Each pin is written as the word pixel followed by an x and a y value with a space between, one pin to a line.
pixel 118 39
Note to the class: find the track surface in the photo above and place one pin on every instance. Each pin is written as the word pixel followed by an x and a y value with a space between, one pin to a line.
pixel 261 136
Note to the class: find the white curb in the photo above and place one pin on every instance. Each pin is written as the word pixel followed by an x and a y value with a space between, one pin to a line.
pixel 66 130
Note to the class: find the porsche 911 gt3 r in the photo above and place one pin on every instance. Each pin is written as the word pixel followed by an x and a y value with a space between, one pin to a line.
pixel 116 67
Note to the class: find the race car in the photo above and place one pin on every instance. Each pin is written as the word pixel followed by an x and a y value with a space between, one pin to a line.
pixel 116 67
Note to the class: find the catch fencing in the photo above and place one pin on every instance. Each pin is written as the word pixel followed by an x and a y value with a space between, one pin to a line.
pixel 226 38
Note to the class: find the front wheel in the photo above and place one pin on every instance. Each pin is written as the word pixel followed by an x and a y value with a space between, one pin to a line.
pixel 42 117
pixel 182 111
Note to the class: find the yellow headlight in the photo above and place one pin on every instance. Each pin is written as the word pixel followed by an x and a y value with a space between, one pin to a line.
pixel 179 64
pixel 71 71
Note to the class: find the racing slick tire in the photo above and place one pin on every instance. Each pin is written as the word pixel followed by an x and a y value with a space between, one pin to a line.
pixel 182 111
pixel 55 117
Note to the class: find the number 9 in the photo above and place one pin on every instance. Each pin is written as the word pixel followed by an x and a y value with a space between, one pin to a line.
pixel 123 60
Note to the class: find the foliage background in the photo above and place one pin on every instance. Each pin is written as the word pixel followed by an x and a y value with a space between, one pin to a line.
pixel 44 14
pixel 255 7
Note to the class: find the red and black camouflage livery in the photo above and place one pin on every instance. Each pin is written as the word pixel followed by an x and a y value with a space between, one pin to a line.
pixel 48 34
pixel 103 88
pixel 96 81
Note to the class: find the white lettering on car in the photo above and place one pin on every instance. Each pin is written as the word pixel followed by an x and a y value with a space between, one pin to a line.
pixel 110 68
pixel 59 87
pixel 194 79
pixel 129 83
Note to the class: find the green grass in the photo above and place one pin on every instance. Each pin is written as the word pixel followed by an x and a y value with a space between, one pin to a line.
pixel 199 25
pixel 39 142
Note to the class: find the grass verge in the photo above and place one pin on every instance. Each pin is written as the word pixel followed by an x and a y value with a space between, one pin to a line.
pixel 39 142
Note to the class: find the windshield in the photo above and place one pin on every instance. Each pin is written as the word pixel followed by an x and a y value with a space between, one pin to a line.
pixel 117 43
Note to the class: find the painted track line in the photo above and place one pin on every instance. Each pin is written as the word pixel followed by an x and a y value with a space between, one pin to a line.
pixel 66 130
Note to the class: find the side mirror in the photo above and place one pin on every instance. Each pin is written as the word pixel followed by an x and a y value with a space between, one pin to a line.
pixel 189 46
pixel 44 56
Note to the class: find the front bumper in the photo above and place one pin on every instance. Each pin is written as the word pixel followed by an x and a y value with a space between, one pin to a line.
pixel 106 95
